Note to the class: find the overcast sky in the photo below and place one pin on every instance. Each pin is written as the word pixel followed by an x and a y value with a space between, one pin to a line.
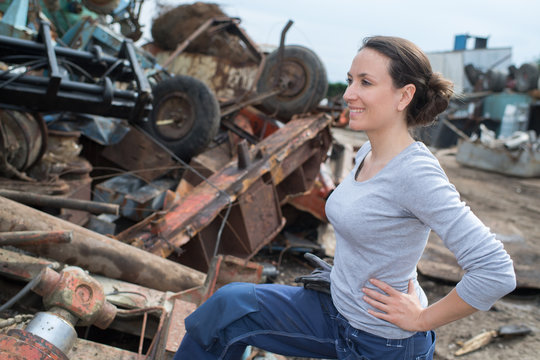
pixel 334 29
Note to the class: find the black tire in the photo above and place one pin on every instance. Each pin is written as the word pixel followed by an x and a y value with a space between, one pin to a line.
pixel 185 116
pixel 103 7
pixel 303 79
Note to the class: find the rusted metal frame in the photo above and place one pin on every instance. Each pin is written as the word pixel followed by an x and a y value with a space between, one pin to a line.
pixel 233 24
pixel 281 50
pixel 60 202
pixel 240 105
pixel 273 164
pixel 249 227
pixel 194 212
pixel 262 64
pixel 251 45
pixel 35 237
pixel 200 30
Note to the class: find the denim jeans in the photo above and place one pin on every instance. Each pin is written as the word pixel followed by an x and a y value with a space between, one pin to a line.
pixel 287 320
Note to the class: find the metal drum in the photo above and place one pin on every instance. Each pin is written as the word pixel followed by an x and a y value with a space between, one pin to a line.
pixel 23 139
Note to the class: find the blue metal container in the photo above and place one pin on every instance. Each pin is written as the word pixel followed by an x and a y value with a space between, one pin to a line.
pixel 460 42
pixel 495 104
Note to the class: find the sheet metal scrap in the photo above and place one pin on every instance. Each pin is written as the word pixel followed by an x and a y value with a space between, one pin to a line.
pixel 284 164
pixel 522 163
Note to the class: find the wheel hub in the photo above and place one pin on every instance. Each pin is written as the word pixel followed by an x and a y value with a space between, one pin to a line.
pixel 175 116
pixel 293 79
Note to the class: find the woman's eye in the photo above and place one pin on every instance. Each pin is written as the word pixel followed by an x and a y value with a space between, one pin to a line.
pixel 365 82
pixel 348 81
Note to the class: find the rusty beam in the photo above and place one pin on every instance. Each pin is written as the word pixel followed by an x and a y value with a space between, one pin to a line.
pixel 60 202
pixel 35 237
pixel 277 158
pixel 20 266
pixel 97 253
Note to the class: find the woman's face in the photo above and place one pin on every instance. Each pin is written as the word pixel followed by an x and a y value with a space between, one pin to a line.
pixel 373 101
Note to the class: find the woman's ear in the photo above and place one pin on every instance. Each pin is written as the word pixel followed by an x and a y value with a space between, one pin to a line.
pixel 407 94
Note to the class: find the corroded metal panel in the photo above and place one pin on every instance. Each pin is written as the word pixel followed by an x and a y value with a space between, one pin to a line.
pixel 226 79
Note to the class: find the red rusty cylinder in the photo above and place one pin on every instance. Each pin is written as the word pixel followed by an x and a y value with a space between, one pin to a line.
pixel 78 293
pixel 21 345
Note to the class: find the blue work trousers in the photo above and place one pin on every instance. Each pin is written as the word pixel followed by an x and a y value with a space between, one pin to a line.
pixel 286 320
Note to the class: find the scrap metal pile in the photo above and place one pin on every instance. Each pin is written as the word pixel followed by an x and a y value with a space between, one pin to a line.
pixel 496 122
pixel 134 184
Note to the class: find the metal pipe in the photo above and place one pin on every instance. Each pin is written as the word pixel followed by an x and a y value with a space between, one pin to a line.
pixel 60 202
pixel 35 237
pixel 97 253
pixel 34 82
pixel 281 49
pixel 187 41
pixel 87 60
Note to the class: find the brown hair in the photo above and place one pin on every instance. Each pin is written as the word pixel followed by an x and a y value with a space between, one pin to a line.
pixel 410 65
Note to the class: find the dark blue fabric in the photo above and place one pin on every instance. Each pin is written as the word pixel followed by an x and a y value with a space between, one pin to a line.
pixel 220 312
pixel 286 320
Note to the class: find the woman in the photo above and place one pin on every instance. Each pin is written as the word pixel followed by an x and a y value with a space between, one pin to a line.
pixel 382 213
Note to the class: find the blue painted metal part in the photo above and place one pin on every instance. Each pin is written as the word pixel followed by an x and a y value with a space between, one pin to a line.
pixel 13 23
pixel 87 33
pixel 147 199
pixel 136 199
pixel 16 14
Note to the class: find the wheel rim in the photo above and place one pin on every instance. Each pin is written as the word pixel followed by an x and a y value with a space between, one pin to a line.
pixel 175 116
pixel 293 79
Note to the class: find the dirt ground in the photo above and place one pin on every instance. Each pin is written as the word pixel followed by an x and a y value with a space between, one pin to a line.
pixel 510 207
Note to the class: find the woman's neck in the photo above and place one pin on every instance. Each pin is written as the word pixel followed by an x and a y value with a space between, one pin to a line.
pixel 385 146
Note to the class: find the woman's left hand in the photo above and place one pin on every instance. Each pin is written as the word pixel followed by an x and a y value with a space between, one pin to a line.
pixel 403 310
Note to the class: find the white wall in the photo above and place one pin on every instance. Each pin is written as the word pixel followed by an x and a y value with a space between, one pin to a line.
pixel 452 63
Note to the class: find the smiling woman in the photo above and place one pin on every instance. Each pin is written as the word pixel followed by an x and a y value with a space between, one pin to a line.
pixel 382 213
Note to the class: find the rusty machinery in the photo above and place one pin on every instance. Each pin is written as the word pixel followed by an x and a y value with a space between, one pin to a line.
pixel 180 111
pixel 71 298
pixel 74 298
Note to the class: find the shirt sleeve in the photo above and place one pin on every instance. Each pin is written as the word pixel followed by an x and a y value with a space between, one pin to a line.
pixel 428 195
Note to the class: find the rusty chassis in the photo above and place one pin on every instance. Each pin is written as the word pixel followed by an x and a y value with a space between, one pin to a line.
pixel 250 189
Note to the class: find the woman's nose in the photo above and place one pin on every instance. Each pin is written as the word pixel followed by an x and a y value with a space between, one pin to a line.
pixel 348 94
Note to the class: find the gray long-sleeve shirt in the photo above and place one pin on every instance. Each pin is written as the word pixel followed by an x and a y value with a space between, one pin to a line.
pixel 382 226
